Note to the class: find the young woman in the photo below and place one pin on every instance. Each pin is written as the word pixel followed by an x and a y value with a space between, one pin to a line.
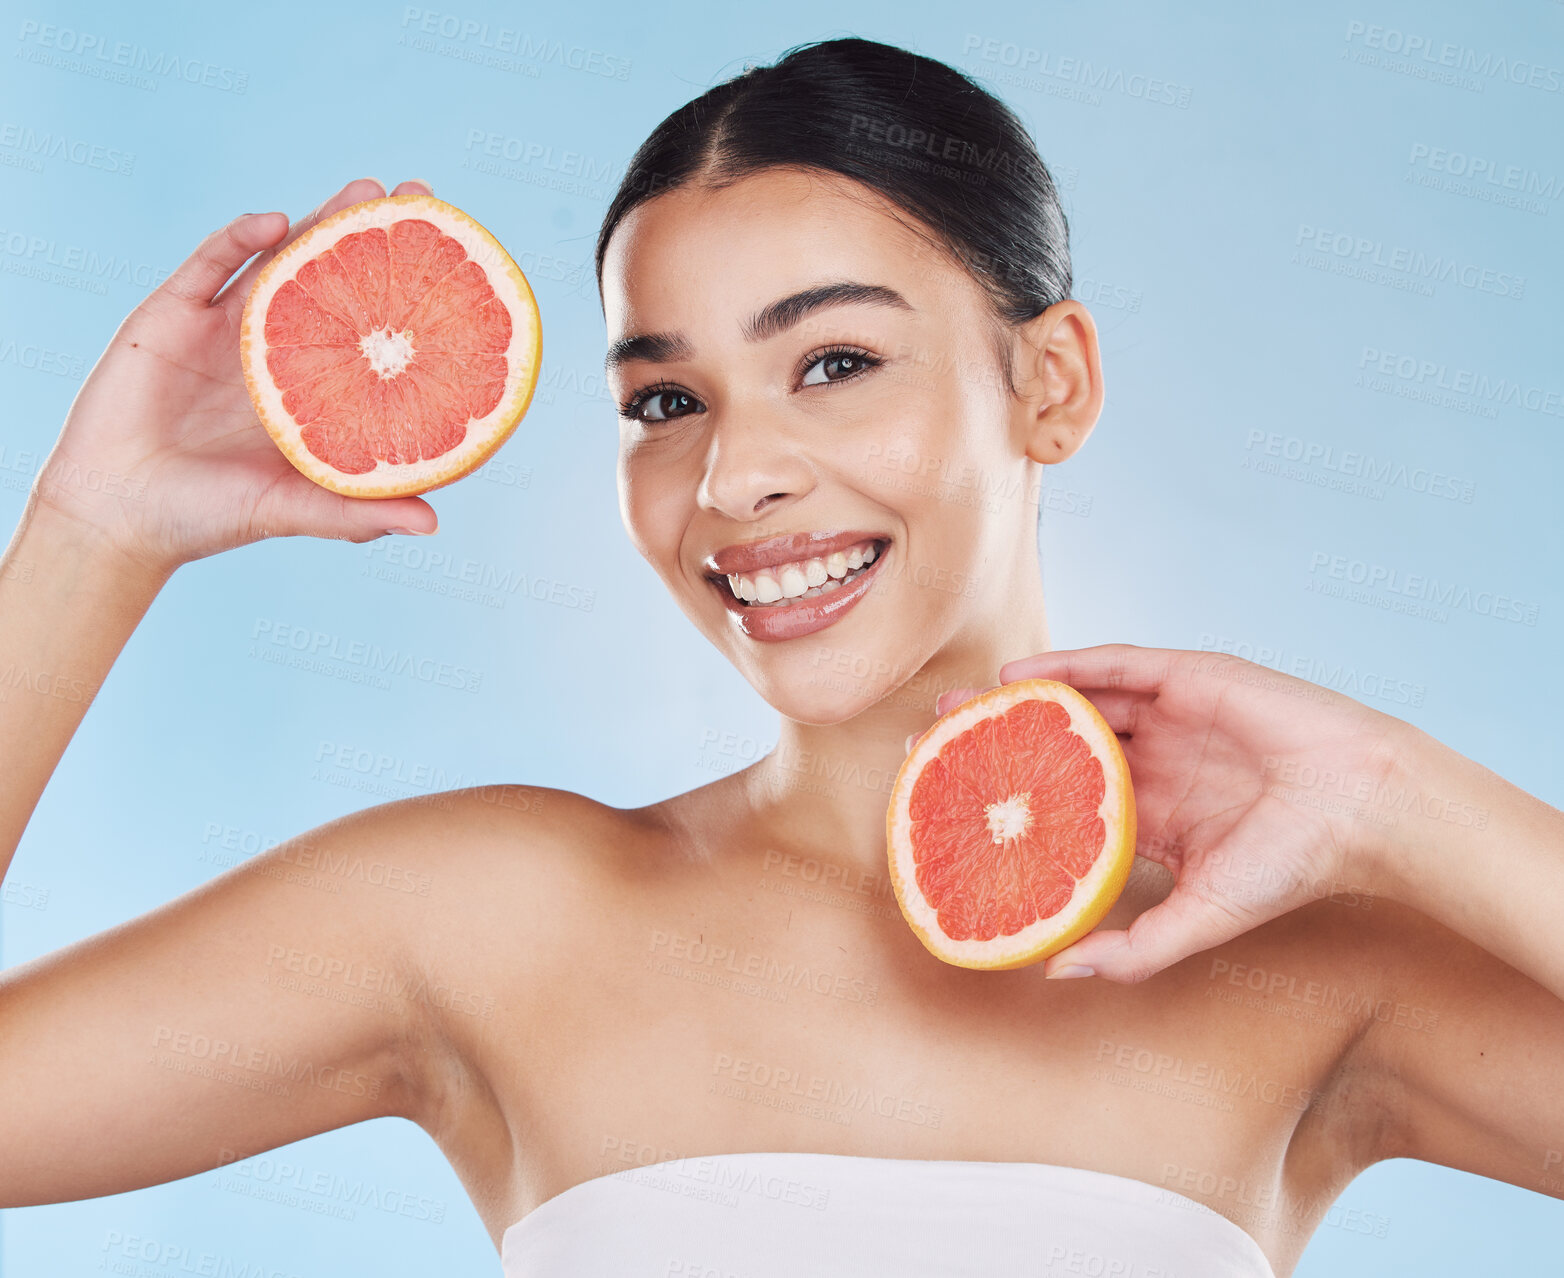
pixel 1338 946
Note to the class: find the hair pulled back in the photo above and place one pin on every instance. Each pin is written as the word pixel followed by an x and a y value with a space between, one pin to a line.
pixel 921 134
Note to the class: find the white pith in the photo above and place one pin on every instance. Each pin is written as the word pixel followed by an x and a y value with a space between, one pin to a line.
pixel 1008 818
pixel 389 352
pixel 803 578
pixel 1004 812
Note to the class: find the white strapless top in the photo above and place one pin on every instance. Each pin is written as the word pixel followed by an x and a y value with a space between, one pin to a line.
pixel 808 1215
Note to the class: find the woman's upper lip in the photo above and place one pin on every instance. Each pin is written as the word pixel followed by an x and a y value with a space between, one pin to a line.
pixel 768 552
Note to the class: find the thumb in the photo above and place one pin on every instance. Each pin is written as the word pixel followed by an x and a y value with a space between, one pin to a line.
pixel 943 705
pixel 949 700
pixel 411 515
pixel 1184 924
pixel 309 510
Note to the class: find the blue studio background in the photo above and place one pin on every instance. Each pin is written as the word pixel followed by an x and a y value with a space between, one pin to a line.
pixel 1305 236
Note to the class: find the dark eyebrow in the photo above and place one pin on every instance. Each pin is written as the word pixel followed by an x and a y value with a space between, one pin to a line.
pixel 774 318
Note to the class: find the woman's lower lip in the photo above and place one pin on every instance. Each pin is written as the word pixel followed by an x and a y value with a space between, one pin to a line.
pixel 804 617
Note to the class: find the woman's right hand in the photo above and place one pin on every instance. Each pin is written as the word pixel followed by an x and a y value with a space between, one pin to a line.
pixel 162 452
pixel 1259 791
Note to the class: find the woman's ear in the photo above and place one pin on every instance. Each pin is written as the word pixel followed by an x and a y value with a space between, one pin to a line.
pixel 1058 379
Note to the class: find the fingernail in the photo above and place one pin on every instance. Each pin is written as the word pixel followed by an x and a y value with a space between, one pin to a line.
pixel 423 184
pixel 1072 969
pixel 410 532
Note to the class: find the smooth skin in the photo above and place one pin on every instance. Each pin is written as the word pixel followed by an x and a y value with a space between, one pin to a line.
pixel 1409 989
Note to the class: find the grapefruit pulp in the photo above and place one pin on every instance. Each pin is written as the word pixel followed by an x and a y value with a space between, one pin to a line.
pixel 391 348
pixel 1011 826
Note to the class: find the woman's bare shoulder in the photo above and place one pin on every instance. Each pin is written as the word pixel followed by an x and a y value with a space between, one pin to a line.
pixel 508 883
pixel 488 839
pixel 489 853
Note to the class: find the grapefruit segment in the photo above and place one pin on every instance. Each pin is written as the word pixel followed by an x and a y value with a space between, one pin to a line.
pixel 391 348
pixel 1011 826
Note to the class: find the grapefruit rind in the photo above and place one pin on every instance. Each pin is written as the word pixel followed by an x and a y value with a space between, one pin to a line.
pixel 484 435
pixel 1094 895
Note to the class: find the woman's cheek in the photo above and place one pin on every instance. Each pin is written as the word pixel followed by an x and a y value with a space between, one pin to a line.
pixel 649 509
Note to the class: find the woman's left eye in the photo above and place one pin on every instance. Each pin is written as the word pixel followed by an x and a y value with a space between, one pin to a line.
pixel 848 362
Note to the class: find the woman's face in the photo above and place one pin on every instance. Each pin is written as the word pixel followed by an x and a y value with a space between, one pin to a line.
pixel 880 419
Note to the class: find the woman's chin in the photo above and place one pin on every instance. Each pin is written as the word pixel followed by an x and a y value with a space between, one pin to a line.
pixel 818 695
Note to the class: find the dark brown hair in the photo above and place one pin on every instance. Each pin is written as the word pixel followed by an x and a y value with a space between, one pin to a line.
pixel 920 133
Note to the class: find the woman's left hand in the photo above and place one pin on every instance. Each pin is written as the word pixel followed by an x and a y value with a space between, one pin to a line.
pixel 1259 791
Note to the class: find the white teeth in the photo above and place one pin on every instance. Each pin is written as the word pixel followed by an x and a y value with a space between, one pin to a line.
pixel 802 579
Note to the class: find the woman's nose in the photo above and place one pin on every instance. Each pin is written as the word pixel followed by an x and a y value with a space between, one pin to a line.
pixel 751 464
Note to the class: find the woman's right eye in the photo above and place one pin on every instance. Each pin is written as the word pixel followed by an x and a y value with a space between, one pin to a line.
pixel 668 398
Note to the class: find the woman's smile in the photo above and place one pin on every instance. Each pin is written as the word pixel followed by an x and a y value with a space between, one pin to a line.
pixel 789 586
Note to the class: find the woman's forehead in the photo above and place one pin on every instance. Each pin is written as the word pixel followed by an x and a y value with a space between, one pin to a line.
pixel 695 253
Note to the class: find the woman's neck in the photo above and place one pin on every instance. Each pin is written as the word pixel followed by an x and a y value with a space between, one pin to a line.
pixel 825 788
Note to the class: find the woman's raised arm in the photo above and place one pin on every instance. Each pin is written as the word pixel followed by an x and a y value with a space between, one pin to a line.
pixel 161 461
pixel 187 1037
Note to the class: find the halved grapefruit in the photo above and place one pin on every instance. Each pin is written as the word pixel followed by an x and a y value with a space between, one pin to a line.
pixel 1011 827
pixel 391 348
